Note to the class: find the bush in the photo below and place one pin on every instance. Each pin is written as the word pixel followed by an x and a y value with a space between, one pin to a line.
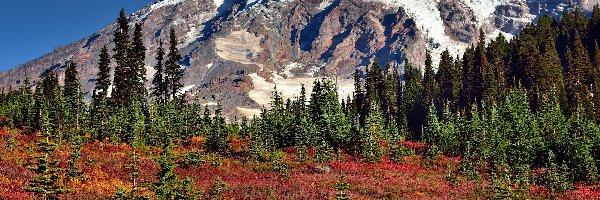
pixel 193 158
pixel 557 179
pixel 397 152
pixel 218 189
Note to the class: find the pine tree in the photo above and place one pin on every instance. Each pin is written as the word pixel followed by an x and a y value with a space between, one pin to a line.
pixel 73 172
pixel 445 78
pixel 497 56
pixel 168 187
pixel 123 78
pixel 160 88
pixel 551 77
pixel 46 181
pixel 579 75
pixel 468 94
pixel 138 65
pixel 480 68
pixel 73 96
pixel 358 95
pixel 26 102
pixel 429 85
pixel 38 106
pixel 374 130
pixel 103 77
pixel 529 55
pixel 414 111
pixel 173 71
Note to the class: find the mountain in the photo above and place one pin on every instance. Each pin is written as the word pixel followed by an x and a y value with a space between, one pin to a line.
pixel 237 51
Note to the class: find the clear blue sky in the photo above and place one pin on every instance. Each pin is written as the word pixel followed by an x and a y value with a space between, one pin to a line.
pixel 32 28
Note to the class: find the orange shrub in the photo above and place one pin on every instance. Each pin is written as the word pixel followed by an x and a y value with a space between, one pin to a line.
pixel 197 142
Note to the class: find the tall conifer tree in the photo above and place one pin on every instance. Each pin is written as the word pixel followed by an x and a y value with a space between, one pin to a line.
pixel 123 78
pixel 172 69
pixel 138 65
pixel 73 96
pixel 160 88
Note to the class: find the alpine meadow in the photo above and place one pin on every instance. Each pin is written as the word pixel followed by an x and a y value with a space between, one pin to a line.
pixel 375 102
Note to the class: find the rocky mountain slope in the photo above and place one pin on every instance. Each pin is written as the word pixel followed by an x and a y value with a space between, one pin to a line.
pixel 237 51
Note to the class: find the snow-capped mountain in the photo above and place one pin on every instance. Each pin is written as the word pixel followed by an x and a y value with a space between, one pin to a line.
pixel 237 51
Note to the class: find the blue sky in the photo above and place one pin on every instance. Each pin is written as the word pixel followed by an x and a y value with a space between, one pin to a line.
pixel 32 28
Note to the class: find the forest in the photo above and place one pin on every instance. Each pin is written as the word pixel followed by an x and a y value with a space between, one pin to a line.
pixel 513 116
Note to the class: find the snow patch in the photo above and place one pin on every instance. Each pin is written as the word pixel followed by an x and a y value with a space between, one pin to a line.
pixel 289 67
pixel 427 17
pixel 160 4
pixel 249 112
pixel 218 3
pixel 325 4
pixel 290 87
pixel 209 104
pixel 185 89
pixel 239 46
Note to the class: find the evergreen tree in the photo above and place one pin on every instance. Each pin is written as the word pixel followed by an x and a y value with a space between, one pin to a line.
pixel 479 70
pixel 579 75
pixel 73 96
pixel 26 102
pixel 551 77
pixel 73 172
pixel 160 88
pixel 581 147
pixel 103 77
pixel 445 78
pixel 414 111
pixel 529 55
pixel 429 85
pixel 168 187
pixel 122 54
pixel 46 181
pixel 374 130
pixel 468 94
pixel 359 97
pixel 138 65
pixel 173 71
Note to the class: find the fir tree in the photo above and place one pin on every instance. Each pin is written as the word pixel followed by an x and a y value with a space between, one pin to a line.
pixel 445 78
pixel 468 94
pixel 173 71
pixel 579 75
pixel 168 187
pixel 73 96
pixel 122 55
pixel 46 181
pixel 551 77
pixel 429 85
pixel 103 77
pixel 138 65
pixel 26 102
pixel 412 103
pixel 160 88
pixel 375 129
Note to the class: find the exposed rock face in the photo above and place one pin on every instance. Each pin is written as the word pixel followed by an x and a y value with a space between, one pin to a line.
pixel 237 51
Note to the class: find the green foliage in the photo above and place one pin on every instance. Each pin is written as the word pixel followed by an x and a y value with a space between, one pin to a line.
pixel 46 181
pixel 556 178
pixel 73 172
pixel 397 152
pixel 218 189
pixel 168 186
pixel 342 186
pixel 173 72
